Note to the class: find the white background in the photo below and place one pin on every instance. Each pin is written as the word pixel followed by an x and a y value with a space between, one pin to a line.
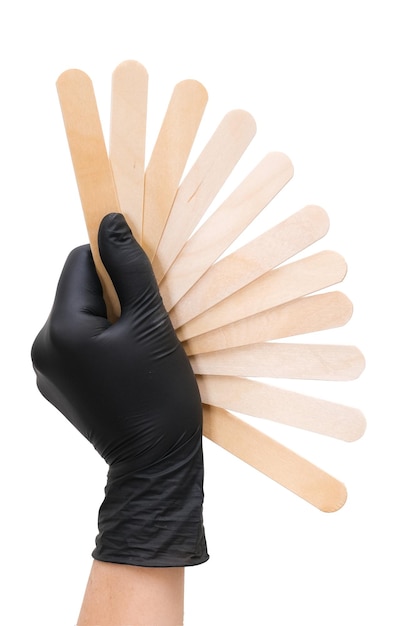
pixel 333 85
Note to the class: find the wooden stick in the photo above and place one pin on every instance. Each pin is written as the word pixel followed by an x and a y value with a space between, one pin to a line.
pixel 276 287
pixel 202 183
pixel 169 157
pixel 91 165
pixel 286 407
pixel 225 225
pixel 274 460
pixel 251 261
pixel 305 315
pixel 283 360
pixel 128 138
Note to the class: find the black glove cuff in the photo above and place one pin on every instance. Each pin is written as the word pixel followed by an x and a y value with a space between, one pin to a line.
pixel 153 517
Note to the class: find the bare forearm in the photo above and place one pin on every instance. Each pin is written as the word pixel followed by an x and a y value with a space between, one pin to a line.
pixel 139 596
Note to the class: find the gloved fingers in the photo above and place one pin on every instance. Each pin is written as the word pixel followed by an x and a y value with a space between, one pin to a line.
pixel 79 290
pixel 127 264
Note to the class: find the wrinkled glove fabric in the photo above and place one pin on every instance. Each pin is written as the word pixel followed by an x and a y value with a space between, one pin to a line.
pixel 129 389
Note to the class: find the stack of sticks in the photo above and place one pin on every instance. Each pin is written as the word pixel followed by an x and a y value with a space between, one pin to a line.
pixel 229 309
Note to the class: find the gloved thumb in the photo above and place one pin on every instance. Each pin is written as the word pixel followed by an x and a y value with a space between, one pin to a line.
pixel 127 264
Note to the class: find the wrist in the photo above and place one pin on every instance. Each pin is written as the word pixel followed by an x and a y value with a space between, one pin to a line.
pixel 152 517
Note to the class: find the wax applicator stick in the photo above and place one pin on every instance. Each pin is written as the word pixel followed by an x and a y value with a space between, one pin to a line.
pixel 202 183
pixel 221 229
pixel 283 360
pixel 128 138
pixel 265 401
pixel 91 165
pixel 169 158
pixel 304 315
pixel 278 286
pixel 273 459
pixel 251 261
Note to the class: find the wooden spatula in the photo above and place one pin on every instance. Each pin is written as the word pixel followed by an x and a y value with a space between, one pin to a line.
pixel 258 399
pixel 91 163
pixel 268 456
pixel 278 286
pixel 202 183
pixel 303 315
pixel 221 229
pixel 169 158
pixel 129 102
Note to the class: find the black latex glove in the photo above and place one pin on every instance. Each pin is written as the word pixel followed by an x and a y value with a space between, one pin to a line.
pixel 129 388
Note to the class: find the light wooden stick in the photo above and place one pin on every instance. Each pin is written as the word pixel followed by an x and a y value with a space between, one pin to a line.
pixel 128 138
pixel 91 165
pixel 169 158
pixel 286 407
pixel 305 315
pixel 252 261
pixel 274 460
pixel 276 287
pixel 283 360
pixel 202 183
pixel 222 228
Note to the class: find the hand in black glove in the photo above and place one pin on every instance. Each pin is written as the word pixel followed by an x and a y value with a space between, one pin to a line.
pixel 129 388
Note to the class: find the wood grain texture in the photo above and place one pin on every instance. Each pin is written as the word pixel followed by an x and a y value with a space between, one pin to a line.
pixel 202 183
pixel 274 460
pixel 281 285
pixel 297 317
pixel 251 261
pixel 293 409
pixel 169 157
pixel 283 360
pixel 227 222
pixel 91 163
pixel 129 100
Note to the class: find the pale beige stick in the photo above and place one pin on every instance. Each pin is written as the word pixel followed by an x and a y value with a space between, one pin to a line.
pixel 127 139
pixel 251 261
pixel 274 460
pixel 91 165
pixel 202 183
pixel 276 287
pixel 169 158
pixel 286 407
pixel 283 360
pixel 304 315
pixel 222 228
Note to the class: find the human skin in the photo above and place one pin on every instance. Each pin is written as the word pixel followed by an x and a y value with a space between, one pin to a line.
pixel 128 595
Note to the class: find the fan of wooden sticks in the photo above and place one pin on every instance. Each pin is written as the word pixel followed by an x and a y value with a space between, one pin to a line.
pixel 228 308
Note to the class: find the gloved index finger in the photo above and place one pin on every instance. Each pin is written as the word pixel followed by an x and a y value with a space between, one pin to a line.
pixel 79 293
